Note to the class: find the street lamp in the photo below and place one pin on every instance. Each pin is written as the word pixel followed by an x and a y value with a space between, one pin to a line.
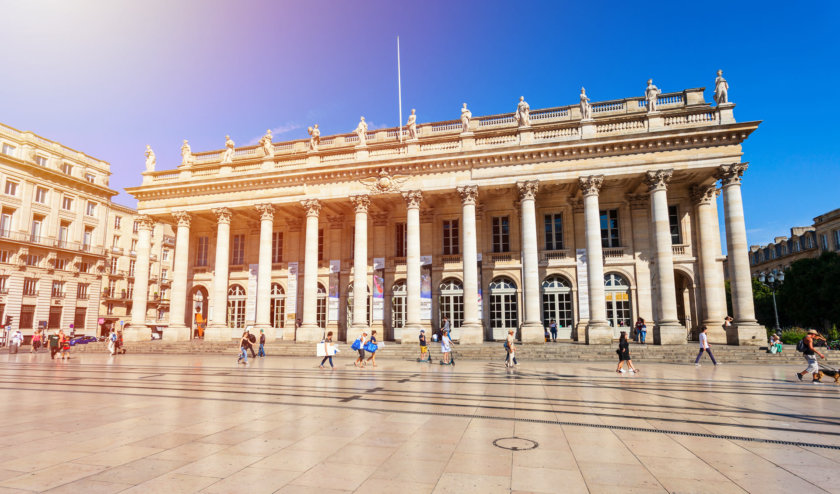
pixel 773 281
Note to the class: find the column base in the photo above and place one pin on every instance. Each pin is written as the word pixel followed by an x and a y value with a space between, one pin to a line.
pixel 599 333
pixel 267 329
pixel 217 333
pixel 288 332
pixel 408 334
pixel 669 333
pixel 176 333
pixel 309 333
pixel 471 334
pixel 746 333
pixel 354 331
pixel 715 332
pixel 579 331
pixel 532 332
pixel 137 333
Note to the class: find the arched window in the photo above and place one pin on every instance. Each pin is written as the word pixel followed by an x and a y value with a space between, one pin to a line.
pixel 236 307
pixel 398 305
pixel 321 307
pixel 350 305
pixel 557 302
pixel 504 310
pixel 618 302
pixel 278 306
pixel 451 302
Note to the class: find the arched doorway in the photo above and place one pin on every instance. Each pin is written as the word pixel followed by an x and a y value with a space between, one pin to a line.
pixel 236 307
pixel 684 289
pixel 200 300
pixel 398 309
pixel 349 320
pixel 277 316
pixel 557 304
pixel 451 305
pixel 321 307
pixel 504 307
pixel 619 313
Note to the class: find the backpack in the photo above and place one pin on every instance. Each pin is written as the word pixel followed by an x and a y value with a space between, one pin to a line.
pixel 252 338
pixel 801 346
pixel 113 336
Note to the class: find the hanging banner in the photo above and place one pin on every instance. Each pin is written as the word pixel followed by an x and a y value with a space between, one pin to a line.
pixel 583 284
pixel 378 289
pixel 251 300
pixel 426 288
pixel 291 297
pixel 335 271
pixel 480 299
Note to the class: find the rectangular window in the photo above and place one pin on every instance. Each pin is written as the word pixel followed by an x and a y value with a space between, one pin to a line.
pixel 321 244
pixel 117 221
pixel 164 274
pixel 201 251
pixel 79 318
pixel 5 256
pixel 6 223
pixel 136 227
pixel 35 231
pixel 609 229
pixel 110 309
pixel 87 239
pixel 115 242
pixel 553 232
pixel 85 267
pixel 67 168
pixel 8 149
pixel 836 239
pixel 400 239
pixel 82 291
pixel 130 290
pixel 63 234
pixel 90 178
pixel 674 222
pixel 450 237
pixel 164 255
pixel 57 288
pixel 40 195
pixel 91 209
pixel 823 241
pixel 4 287
pixel 115 262
pixel 30 286
pixel 42 161
pixel 131 264
pixel 61 264
pixel 33 260
pixel 67 203
pixel 237 254
pixel 11 188
pixel 112 288
pixel 27 317
pixel 352 242
pixel 134 246
pixel 501 234
pixel 276 247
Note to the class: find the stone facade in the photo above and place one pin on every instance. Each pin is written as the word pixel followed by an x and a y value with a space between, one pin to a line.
pixel 804 242
pixel 497 222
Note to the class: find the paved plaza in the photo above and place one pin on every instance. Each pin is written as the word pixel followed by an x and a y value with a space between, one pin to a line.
pixel 168 423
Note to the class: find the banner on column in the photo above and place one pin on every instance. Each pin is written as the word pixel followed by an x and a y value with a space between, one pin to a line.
pixel 480 300
pixel 583 284
pixel 291 296
pixel 378 289
pixel 335 272
pixel 251 300
pixel 426 288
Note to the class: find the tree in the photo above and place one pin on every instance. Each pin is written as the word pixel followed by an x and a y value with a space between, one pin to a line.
pixel 809 295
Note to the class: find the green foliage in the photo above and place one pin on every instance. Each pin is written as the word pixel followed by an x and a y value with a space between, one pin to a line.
pixel 809 295
pixel 792 336
pixel 833 334
pixel 763 303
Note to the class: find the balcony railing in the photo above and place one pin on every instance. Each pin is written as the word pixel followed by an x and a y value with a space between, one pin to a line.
pixel 153 257
pixel 450 259
pixel 554 255
pixel 614 252
pixel 680 249
pixel 117 250
pixel 503 257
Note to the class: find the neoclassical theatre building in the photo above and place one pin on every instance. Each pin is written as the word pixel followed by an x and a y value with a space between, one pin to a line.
pixel 592 215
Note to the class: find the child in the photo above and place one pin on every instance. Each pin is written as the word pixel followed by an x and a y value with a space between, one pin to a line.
pixel 446 348
pixel 425 356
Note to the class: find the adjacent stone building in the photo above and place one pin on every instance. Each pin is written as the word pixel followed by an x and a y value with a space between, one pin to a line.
pixel 592 215
pixel 804 242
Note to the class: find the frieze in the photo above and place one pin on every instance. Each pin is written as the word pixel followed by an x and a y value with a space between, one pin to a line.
pixel 384 182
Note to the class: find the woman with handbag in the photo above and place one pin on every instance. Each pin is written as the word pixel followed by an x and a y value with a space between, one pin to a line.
pixel 328 351
pixel 372 347
pixel 361 340
pixel 624 354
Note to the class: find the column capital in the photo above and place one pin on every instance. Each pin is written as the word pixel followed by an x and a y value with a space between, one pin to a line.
pixel 223 215
pixel 413 198
pixel 731 174
pixel 183 217
pixel 658 179
pixel 266 211
pixel 591 185
pixel 528 189
pixel 361 202
pixel 468 193
pixel 312 207
pixel 703 194
pixel 145 222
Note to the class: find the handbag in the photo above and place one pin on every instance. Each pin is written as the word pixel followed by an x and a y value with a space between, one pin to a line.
pixel 371 347
pixel 356 344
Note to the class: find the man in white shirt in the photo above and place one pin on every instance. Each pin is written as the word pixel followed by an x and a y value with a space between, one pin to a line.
pixel 16 341
pixel 704 345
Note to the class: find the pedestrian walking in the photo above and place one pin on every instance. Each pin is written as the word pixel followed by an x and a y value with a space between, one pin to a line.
pixel 775 345
pixel 641 330
pixel 704 346
pixel 36 341
pixel 119 346
pixel 54 341
pixel 446 348
pixel 64 342
pixel 244 343
pixel 252 340
pixel 16 341
pixel 510 349
pixel 362 340
pixel 112 342
pixel 806 346
pixel 445 326
pixel 624 354
pixel 552 326
pixel 262 344
pixel 372 347
pixel 329 351
pixel 425 356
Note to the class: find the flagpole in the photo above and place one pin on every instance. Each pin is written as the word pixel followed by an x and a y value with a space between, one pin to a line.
pixel 399 85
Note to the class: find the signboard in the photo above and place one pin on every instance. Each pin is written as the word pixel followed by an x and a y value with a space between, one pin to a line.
pixel 98 321
pixel 378 289
pixel 333 300
pixel 426 288
pixel 583 284
pixel 291 297
pixel 480 284
pixel 251 300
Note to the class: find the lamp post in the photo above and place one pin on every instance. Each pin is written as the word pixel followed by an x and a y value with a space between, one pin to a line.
pixel 773 281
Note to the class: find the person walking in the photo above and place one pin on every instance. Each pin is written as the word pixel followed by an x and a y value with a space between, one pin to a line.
pixel 510 348
pixel 446 347
pixel 425 356
pixel 16 341
pixel 64 342
pixel 624 354
pixel 328 350
pixel 372 347
pixel 119 345
pixel 244 343
pixel 641 330
pixel 704 346
pixel 775 345
pixel 36 341
pixel 360 362
pixel 262 344
pixel 112 342
pixel 251 341
pixel 445 327
pixel 552 326
pixel 54 341
pixel 810 353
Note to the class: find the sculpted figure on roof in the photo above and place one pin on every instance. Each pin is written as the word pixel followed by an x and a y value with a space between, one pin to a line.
pixel 466 115
pixel 361 131
pixel 150 159
pixel 227 155
pixel 523 112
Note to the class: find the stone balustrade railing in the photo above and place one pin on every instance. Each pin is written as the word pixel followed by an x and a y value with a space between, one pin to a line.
pixel 28 144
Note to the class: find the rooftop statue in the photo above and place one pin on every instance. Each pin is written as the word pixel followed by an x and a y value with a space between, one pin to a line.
pixel 314 137
pixel 523 111
pixel 651 94
pixel 585 107
pixel 361 131
pixel 721 89
pixel 227 155
pixel 150 159
pixel 187 157
pixel 466 115
pixel 412 125
pixel 267 145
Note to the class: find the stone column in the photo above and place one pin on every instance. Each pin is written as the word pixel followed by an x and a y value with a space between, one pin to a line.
pixel 598 332
pixel 263 321
pixel 138 331
pixel 471 328
pixel 667 330
pixel 309 330
pixel 532 329
pixel 217 329
pixel 711 277
pixel 412 266
pixel 360 265
pixel 178 330
pixel 745 330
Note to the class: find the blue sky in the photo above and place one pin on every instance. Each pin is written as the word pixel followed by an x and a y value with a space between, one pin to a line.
pixel 110 77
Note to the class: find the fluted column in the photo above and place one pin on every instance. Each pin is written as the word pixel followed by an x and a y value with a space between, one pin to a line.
pixel 745 330
pixel 217 329
pixel 471 328
pixel 532 328
pixel 667 330
pixel 598 332
pixel 138 331
pixel 309 330
pixel 178 329
pixel 360 265
pixel 263 321
pixel 711 277
pixel 412 267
